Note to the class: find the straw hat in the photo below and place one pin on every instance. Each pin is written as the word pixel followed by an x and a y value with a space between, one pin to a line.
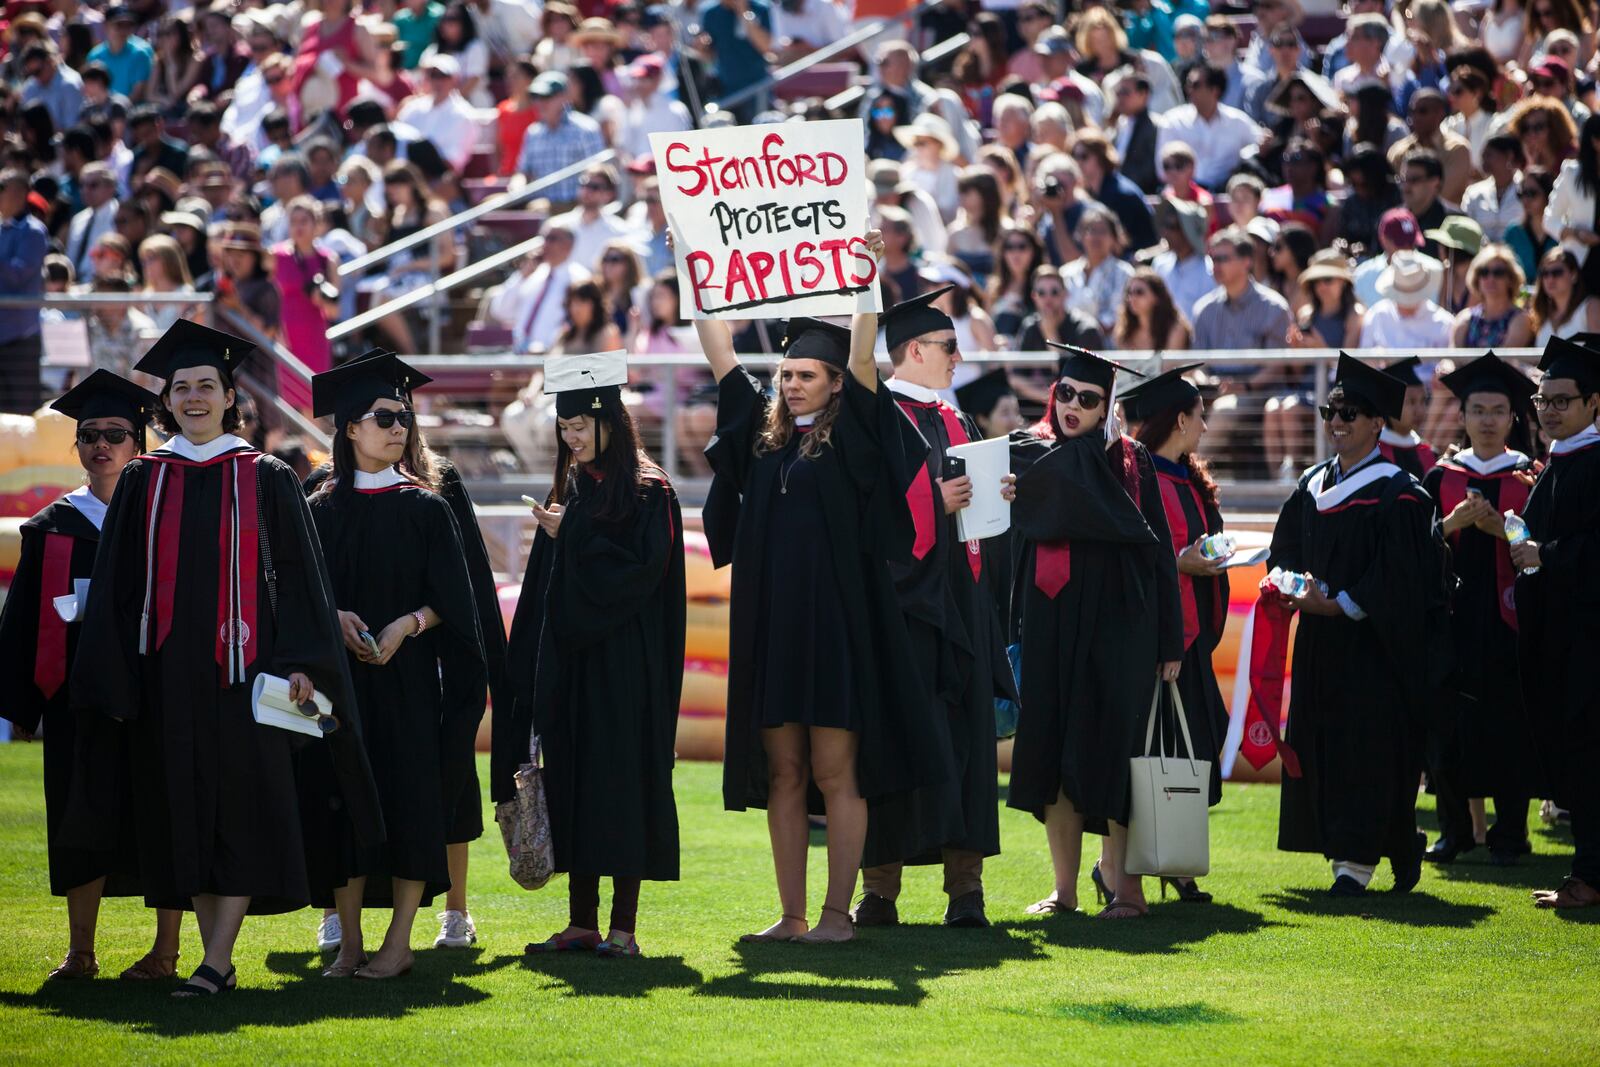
pixel 240 236
pixel 596 29
pixel 1328 263
pixel 928 126
pixel 1410 278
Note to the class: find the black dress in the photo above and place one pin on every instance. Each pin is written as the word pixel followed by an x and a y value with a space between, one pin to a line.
pixel 1359 690
pixel 390 551
pixel 596 661
pixel 217 809
pixel 860 476
pixel 1205 614
pixel 36 648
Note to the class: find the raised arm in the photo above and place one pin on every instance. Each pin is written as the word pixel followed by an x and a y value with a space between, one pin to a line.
pixel 716 339
pixel 864 329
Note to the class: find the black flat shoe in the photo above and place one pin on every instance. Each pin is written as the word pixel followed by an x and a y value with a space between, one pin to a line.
pixel 1408 869
pixel 966 912
pixel 876 911
pixel 1102 891
pixel 1188 890
pixel 1346 886
pixel 1446 849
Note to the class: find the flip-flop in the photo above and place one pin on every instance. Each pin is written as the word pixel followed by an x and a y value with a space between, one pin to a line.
pixel 1051 907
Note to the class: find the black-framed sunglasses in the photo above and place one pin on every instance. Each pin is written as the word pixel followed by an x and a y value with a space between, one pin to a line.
pixel 949 344
pixel 114 435
pixel 1530 192
pixel 1345 413
pixel 1554 403
pixel 386 419
pixel 1087 399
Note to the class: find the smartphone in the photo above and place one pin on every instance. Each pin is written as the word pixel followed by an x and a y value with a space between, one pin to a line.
pixel 370 641
pixel 532 503
pixel 1476 494
pixel 954 467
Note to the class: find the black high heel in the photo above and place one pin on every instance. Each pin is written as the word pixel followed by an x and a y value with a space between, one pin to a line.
pixel 1188 892
pixel 1102 891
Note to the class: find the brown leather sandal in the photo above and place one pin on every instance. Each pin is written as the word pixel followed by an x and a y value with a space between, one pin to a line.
pixel 151 967
pixel 1572 893
pixel 78 964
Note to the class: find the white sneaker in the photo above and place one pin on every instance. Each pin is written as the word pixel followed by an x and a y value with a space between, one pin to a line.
pixel 455 930
pixel 329 934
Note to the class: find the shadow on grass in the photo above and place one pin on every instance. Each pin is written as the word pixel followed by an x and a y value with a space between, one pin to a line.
pixel 1542 871
pixel 148 1007
pixel 1168 928
pixel 1403 909
pixel 587 975
pixel 880 967
pixel 1121 1013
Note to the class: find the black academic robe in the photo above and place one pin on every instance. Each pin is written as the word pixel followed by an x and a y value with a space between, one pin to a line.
pixel 596 662
pixel 1360 688
pixel 1480 741
pixel 36 647
pixel 1558 615
pixel 217 809
pixel 860 480
pixel 959 648
pixel 1204 609
pixel 390 551
pixel 1089 652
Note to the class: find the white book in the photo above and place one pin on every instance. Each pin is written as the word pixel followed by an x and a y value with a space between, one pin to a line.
pixel 989 514
pixel 1248 557
pixel 70 607
pixel 272 707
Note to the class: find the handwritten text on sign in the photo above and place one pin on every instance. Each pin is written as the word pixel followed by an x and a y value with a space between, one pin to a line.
pixel 768 220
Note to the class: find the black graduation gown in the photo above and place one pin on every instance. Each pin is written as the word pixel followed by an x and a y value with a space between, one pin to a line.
pixel 216 801
pixel 1204 616
pixel 1359 688
pixel 959 648
pixel 93 763
pixel 1480 740
pixel 1558 617
pixel 389 552
pixel 1090 653
pixel 860 480
pixel 596 661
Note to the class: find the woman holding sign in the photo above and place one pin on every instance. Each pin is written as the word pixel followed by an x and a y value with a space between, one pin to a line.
pixel 37 640
pixel 808 503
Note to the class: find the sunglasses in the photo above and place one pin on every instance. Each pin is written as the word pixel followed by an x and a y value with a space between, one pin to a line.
pixel 601 186
pixel 613 257
pixel 1553 403
pixel 112 436
pixel 949 345
pixel 1049 292
pixel 883 113
pixel 1139 291
pixel 1087 399
pixel 1017 246
pixel 1346 413
pixel 1553 272
pixel 387 419
pixel 1177 164
pixel 1494 272
pixel 1532 192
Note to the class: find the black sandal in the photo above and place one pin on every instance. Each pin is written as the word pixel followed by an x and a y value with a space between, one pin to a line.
pixel 221 983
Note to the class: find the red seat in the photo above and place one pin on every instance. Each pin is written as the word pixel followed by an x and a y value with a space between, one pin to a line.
pixel 824 80
pixel 483 337
pixel 480 164
pixel 477 190
pixel 511 227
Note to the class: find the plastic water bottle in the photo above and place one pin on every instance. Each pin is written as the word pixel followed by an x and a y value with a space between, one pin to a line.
pixel 1516 533
pixel 1218 546
pixel 1289 583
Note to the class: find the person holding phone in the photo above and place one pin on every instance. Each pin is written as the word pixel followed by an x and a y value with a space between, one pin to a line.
pixel 944 591
pixel 398 568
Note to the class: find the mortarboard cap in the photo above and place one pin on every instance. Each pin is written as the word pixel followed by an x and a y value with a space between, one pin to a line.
pixel 189 344
pixel 1085 366
pixel 1385 393
pixel 913 318
pixel 1573 359
pixel 348 391
pixel 808 338
pixel 1490 374
pixel 105 395
pixel 1408 370
pixel 1169 389
pixel 583 383
pixel 979 396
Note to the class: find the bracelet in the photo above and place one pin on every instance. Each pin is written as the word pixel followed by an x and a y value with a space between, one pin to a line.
pixel 422 622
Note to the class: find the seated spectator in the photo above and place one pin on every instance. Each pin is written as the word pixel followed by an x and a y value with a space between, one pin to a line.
pixel 620 273
pixel 1303 198
pixel 50 83
pixel 240 280
pixel 456 37
pixel 414 25
pixel 1052 128
pixel 800 27
pixel 897 75
pixel 1177 167
pixel 267 87
pixel 1493 319
pixel 514 115
pixel 559 139
pixel 1549 136
pixel 1427 113
pixel 1096 279
pixel 1553 78
pixel 1366 36
pixel 1397 231
pixel 165 271
pixel 223 57
pixel 176 68
pixel 1421 178
pixel 887 114
pixel 111 257
pixel 1472 114
pixel 1221 50
pixel 1181 265
pixel 409 206
pixel 1240 313
pixel 441 114
pixel 119 334
pixel 1053 320
pixel 335 53
pixel 930 161
pixel 1330 315
pixel 1147 319
pixel 588 326
pixel 1273 17
pixel 98 186
pixel 1372 120
pixel 1405 318
pixel 1188 41
pixel 1495 203
pixel 135 222
pixel 1097 161
pixel 39 139
pixel 1302 107
pixel 287 179
pixel 386 84
pixel 1216 133
pixel 1288 255
pixel 531 303
pixel 1372 194
pixel 1136 134
pixel 322 170
pixel 1527 236
pixel 1010 294
pixel 649 110
pixel 152 147
pixel 1458 239
pixel 741 37
pixel 187 226
pixel 594 221
pixel 649 222
pixel 1034 17
pixel 979 221
pixel 1104 47
pixel 204 130
pixel 1261 86
pixel 555 50
pixel 1055 52
pixel 1571 213
pixel 1562 305
pixel 127 57
pixel 1059 202
pixel 1244 198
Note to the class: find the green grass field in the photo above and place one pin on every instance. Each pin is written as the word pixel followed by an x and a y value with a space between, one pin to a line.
pixel 1464 970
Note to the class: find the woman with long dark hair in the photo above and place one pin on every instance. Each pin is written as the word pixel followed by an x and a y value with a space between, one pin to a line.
pixel 1095 609
pixel 588 327
pixel 1574 207
pixel 1562 304
pixel 396 559
pixel 597 658
pixel 37 642
pixel 1010 294
pixel 1528 238
pixel 1147 318
pixel 888 113
pixel 1372 192
pixel 1172 421
pixel 979 221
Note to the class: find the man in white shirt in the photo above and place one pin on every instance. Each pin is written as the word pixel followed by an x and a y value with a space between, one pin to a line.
pixel 1183 265
pixel 594 222
pixel 1496 202
pixel 803 26
pixel 1366 35
pixel 443 115
pixel 510 27
pixel 1406 319
pixel 99 188
pixel 534 305
pixel 1219 134
pixel 649 109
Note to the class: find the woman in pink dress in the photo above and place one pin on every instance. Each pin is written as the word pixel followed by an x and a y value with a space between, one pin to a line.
pixel 334 55
pixel 308 286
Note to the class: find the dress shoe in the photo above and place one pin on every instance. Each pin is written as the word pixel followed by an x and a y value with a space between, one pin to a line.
pixel 1346 886
pixel 1408 869
pixel 876 911
pixel 967 911
pixel 1504 857
pixel 1446 849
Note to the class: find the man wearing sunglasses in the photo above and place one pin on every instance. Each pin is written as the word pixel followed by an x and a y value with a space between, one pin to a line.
pixel 1558 607
pixel 1363 672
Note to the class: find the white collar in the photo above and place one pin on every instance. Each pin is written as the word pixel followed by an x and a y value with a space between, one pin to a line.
pixel 91 506
pixel 182 447
pixel 804 420
pixel 1582 439
pixel 1348 485
pixel 1469 459
pixel 381 479
pixel 912 391
pixel 1399 440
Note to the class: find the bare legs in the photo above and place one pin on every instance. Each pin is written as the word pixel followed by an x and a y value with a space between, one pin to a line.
pixel 83 915
pixel 352 953
pixel 394 956
pixel 787 775
pixel 1063 829
pixel 833 765
pixel 1128 888
pixel 220 919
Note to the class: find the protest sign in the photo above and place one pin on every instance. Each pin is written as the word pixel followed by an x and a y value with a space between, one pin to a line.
pixel 768 221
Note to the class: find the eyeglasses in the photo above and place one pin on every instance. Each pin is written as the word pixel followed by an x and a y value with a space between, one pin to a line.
pixel 1177 164
pixel 387 419
pixel 949 344
pixel 883 113
pixel 1531 192
pixel 1017 246
pixel 603 187
pixel 1553 403
pixel 1345 413
pixel 1087 399
pixel 1047 293
pixel 1131 291
pixel 1552 272
pixel 1494 272
pixel 117 435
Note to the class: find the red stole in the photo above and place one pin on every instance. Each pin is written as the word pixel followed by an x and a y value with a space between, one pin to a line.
pixel 50 651
pixel 1513 495
pixel 1269 653
pixel 1182 538
pixel 1052 562
pixel 1427 459
pixel 238 557
pixel 926 513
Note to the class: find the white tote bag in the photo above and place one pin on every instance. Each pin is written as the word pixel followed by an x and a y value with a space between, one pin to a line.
pixel 1167 829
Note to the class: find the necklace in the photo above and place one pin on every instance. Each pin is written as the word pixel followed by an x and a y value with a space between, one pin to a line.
pixel 784 470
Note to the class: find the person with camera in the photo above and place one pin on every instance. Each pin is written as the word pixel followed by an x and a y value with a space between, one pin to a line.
pixel 307 279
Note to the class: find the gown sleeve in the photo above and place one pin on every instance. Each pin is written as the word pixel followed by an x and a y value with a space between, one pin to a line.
pixel 1401 591
pixel 105 668
pixel 510 725
pixel 731 453
pixel 23 704
pixel 1571 562
pixel 1068 493
pixel 882 452
pixel 1169 605
pixel 462 673
pixel 491 627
